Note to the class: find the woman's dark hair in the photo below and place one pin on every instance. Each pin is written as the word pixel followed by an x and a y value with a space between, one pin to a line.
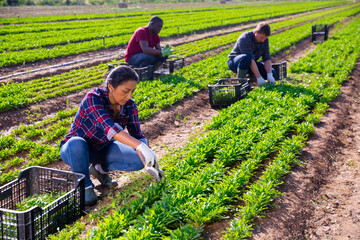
pixel 119 75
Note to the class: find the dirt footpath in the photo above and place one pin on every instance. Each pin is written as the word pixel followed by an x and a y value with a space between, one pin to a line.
pixel 322 198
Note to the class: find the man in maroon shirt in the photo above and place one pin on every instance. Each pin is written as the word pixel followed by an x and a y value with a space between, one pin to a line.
pixel 144 46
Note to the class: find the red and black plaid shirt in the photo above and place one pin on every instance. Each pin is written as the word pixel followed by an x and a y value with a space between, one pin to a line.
pixel 94 121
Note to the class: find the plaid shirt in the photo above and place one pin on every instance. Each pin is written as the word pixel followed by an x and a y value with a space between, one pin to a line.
pixel 94 121
pixel 246 44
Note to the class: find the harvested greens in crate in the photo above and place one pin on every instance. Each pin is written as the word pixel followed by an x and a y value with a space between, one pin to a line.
pixel 65 187
pixel 227 91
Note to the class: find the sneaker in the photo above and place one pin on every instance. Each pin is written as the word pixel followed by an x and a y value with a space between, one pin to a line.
pixel 90 196
pixel 104 179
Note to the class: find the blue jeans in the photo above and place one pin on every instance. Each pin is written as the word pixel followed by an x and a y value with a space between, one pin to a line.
pixel 243 62
pixel 116 156
pixel 144 59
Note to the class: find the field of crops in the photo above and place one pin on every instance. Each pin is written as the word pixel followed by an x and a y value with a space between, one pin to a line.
pixel 231 167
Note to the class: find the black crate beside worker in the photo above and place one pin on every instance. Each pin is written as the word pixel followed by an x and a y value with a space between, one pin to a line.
pixel 248 49
pixel 144 46
pixel 97 142
pixel 23 217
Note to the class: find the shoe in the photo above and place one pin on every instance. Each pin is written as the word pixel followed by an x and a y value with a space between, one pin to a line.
pixel 90 196
pixel 104 179
pixel 241 73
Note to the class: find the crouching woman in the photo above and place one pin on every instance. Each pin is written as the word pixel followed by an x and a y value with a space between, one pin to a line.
pixel 97 143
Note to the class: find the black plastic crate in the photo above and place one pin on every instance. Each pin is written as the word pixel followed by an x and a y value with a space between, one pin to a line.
pixel 280 69
pixel 227 91
pixel 321 30
pixel 144 73
pixel 36 222
pixel 174 63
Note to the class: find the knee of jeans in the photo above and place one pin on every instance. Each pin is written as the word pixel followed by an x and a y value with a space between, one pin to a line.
pixel 78 143
pixel 247 58
pixel 74 146
pixel 244 62
pixel 149 60
pixel 231 65
pixel 139 166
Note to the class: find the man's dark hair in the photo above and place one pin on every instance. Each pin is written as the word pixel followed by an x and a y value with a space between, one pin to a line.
pixel 156 19
pixel 263 28
pixel 119 75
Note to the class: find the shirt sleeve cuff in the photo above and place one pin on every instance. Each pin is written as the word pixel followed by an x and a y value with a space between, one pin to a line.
pixel 112 131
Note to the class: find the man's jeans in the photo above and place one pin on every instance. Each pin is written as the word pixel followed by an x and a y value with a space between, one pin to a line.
pixel 243 62
pixel 116 156
pixel 144 60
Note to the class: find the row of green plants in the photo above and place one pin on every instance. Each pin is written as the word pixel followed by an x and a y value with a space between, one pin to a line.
pixel 13 96
pixel 327 85
pixel 122 14
pixel 213 171
pixel 116 36
pixel 165 92
pixel 37 139
pixel 96 29
pixel 332 57
pixel 72 25
pixel 223 40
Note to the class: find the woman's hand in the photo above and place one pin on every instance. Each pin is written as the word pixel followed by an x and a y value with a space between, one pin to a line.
pixel 147 155
pixel 150 161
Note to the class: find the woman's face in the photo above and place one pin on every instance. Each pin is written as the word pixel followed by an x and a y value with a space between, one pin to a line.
pixel 122 93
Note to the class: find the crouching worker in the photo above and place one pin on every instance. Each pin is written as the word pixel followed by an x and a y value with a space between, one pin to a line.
pixel 249 47
pixel 144 46
pixel 97 143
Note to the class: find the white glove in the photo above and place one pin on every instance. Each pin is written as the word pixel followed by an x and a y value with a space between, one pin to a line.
pixel 151 164
pixel 271 78
pixel 260 81
pixel 155 173
pixel 147 155
pixel 161 173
